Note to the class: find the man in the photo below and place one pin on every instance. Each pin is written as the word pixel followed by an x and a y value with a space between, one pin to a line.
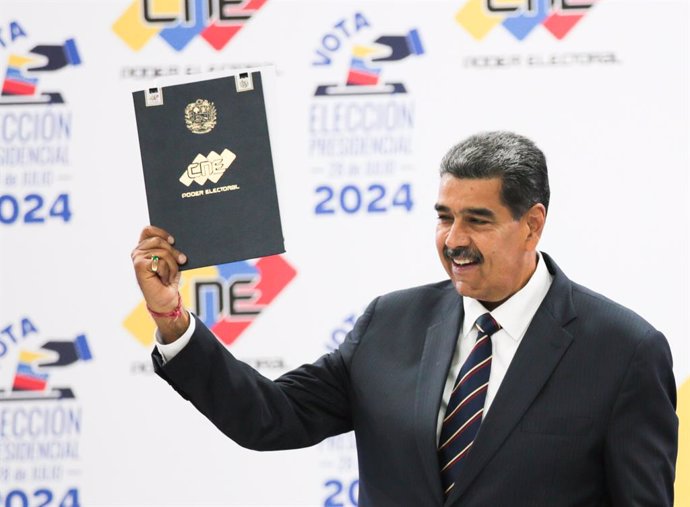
pixel 557 397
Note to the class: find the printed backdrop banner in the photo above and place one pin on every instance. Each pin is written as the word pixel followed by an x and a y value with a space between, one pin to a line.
pixel 363 100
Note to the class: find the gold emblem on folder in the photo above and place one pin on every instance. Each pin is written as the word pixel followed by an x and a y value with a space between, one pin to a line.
pixel 200 116
pixel 211 167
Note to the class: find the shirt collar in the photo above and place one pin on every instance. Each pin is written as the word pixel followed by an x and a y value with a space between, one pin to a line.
pixel 515 314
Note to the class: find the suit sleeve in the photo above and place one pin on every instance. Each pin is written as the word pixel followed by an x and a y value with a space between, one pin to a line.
pixel 642 439
pixel 299 409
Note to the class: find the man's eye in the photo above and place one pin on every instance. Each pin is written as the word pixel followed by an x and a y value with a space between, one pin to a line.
pixel 477 221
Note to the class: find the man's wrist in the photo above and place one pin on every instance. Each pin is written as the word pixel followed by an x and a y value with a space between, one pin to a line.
pixel 175 313
pixel 172 323
pixel 170 329
pixel 170 350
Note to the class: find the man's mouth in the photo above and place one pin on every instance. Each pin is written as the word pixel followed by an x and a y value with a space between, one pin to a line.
pixel 464 262
pixel 463 257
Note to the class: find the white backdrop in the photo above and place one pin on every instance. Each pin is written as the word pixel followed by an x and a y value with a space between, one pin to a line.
pixel 607 102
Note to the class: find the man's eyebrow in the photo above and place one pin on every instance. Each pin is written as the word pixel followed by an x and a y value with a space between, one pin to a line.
pixel 482 212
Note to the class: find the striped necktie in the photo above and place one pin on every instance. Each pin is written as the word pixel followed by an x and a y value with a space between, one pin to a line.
pixel 466 405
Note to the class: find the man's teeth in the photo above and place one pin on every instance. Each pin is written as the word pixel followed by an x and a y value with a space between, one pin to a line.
pixel 463 262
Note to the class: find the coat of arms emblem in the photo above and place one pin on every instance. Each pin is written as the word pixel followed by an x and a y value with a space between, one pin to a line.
pixel 200 116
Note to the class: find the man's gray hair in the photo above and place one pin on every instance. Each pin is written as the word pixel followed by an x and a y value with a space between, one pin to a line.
pixel 506 155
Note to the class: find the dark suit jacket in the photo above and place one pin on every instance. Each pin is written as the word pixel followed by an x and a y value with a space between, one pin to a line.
pixel 585 415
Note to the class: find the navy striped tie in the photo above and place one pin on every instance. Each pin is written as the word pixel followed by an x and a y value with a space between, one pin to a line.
pixel 466 405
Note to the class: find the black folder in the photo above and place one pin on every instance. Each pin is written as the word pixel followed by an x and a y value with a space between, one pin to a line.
pixel 208 168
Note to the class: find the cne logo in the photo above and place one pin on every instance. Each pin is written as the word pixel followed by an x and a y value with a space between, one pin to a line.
pixel 367 59
pixel 25 66
pixel 178 22
pixel 34 366
pixel 520 17
pixel 227 298
pixel 211 167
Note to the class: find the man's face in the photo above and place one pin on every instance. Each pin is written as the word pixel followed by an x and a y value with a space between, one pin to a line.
pixel 488 254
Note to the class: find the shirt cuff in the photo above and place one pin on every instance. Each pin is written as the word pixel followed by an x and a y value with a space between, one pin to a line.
pixel 170 350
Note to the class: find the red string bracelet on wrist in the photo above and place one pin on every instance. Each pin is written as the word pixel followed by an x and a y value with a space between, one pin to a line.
pixel 175 314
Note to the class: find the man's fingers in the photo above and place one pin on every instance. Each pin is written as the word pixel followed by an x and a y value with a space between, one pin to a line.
pixel 151 231
pixel 156 258
pixel 156 262
pixel 156 243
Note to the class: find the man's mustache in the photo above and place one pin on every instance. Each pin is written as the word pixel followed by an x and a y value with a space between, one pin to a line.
pixel 464 252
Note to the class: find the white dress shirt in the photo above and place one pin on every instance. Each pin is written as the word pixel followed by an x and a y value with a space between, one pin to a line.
pixel 514 316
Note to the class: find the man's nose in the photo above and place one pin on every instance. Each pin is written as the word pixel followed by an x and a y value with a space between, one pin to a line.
pixel 457 236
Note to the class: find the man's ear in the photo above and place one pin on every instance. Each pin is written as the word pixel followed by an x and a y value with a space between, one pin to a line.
pixel 535 218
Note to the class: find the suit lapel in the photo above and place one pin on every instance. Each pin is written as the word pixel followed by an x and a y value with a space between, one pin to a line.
pixel 439 345
pixel 539 352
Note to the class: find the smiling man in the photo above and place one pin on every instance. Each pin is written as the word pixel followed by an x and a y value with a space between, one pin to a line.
pixel 508 384
pixel 473 219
